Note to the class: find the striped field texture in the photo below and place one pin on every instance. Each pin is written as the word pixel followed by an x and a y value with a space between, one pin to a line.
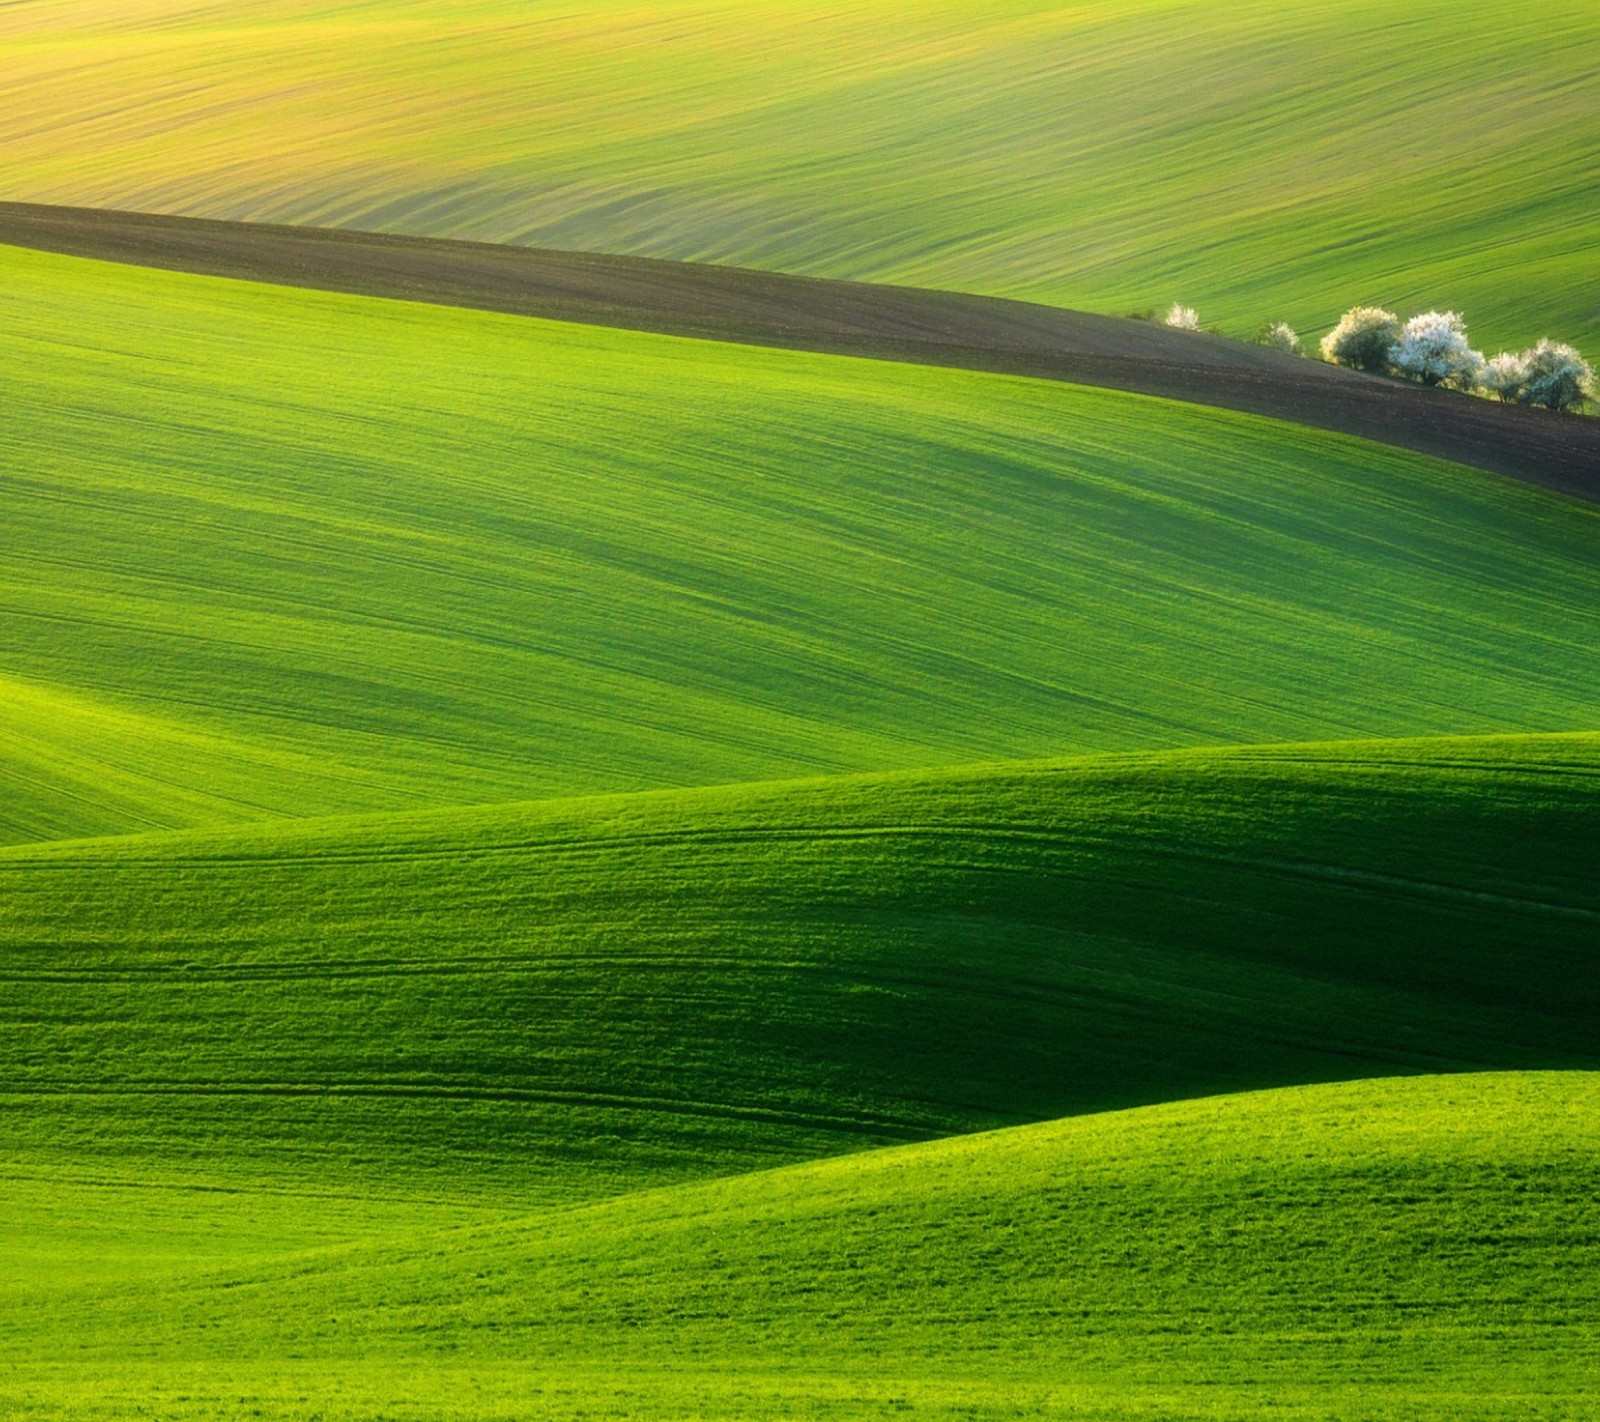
pixel 1263 159
pixel 1382 1250
pixel 550 872
pixel 274 553
pixel 556 1001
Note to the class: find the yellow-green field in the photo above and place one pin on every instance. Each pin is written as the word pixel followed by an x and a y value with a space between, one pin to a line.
pixel 1258 158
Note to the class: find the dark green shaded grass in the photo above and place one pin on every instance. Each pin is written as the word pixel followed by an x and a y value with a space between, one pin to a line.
pixel 565 1000
pixel 272 553
pixel 1377 1249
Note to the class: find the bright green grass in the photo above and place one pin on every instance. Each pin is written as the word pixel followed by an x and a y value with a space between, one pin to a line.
pixel 1387 1249
pixel 566 1000
pixel 1263 159
pixel 279 553
pixel 374 1116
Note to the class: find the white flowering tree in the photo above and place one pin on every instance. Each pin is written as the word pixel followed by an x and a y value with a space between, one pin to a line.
pixel 1363 338
pixel 1183 318
pixel 1507 376
pixel 1434 349
pixel 1557 377
pixel 1279 336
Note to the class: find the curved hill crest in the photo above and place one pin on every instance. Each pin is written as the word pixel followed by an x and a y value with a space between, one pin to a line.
pixel 840 318
pixel 570 999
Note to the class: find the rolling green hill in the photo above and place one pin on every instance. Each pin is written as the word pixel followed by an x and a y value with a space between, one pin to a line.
pixel 274 553
pixel 549 871
pixel 569 999
pixel 1381 1249
pixel 1264 159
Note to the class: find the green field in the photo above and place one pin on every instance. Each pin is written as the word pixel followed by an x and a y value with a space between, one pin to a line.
pixel 1262 159
pixel 531 1004
pixel 277 553
pixel 1385 1249
pixel 556 872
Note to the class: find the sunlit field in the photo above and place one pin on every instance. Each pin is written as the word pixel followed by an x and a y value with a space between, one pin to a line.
pixel 1261 159
pixel 323 554
pixel 617 871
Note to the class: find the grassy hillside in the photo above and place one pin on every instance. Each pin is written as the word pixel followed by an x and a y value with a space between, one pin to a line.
pixel 563 1000
pixel 1381 1249
pixel 551 871
pixel 1262 158
pixel 276 553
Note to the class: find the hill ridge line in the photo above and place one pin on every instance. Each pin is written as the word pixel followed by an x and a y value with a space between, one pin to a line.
pixel 1135 761
pixel 819 1172
pixel 831 317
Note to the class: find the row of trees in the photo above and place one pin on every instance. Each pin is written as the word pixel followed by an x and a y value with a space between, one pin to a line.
pixel 1433 348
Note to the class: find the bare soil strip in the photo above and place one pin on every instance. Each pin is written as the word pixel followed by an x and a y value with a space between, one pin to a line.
pixel 1560 452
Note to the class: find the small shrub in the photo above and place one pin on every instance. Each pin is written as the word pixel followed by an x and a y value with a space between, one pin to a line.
pixel 1434 349
pixel 1279 336
pixel 1507 376
pixel 1183 318
pixel 1363 338
pixel 1145 313
pixel 1557 377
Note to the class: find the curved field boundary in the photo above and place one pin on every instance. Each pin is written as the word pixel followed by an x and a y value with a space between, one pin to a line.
pixel 1378 1249
pixel 704 982
pixel 838 318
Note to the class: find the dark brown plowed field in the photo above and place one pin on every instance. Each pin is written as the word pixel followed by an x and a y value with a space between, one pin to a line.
pixel 842 318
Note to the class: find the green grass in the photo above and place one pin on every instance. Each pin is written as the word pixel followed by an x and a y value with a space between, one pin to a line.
pixel 274 553
pixel 562 1000
pixel 1375 1250
pixel 578 899
pixel 1263 159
